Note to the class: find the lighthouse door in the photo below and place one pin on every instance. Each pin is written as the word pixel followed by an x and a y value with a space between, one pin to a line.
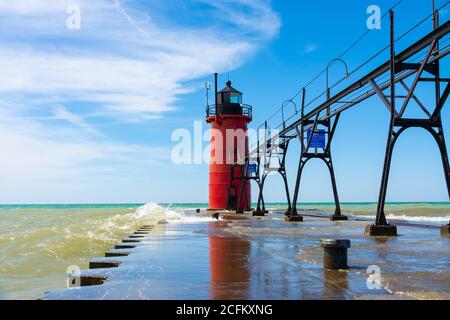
pixel 232 198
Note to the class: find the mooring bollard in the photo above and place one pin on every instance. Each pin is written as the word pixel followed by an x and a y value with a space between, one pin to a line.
pixel 198 210
pixel 335 253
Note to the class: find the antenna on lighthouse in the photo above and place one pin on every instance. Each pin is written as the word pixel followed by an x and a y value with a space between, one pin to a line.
pixel 215 89
pixel 207 87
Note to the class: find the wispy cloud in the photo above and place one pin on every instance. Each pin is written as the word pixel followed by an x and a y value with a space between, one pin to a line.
pixel 309 48
pixel 249 16
pixel 36 157
pixel 61 113
pixel 125 64
pixel 129 62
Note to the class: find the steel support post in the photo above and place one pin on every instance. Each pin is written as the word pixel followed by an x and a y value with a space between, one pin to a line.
pixel 398 124
pixel 326 157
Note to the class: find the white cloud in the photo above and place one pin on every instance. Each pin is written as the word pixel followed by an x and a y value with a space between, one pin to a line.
pixel 34 156
pixel 128 62
pixel 29 7
pixel 120 57
pixel 61 113
pixel 310 48
pixel 249 15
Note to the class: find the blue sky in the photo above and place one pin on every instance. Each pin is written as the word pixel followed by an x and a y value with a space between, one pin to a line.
pixel 86 116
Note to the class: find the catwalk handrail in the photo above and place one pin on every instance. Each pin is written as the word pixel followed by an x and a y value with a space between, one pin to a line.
pixel 415 48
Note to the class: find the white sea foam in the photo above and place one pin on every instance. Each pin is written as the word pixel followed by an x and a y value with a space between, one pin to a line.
pixel 172 215
pixel 180 216
pixel 148 209
pixel 408 218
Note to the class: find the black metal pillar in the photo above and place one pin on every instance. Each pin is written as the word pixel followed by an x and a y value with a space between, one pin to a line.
pixel 398 124
pixel 283 146
pixel 392 136
pixel 325 156
pixel 328 160
pixel 242 192
pixel 282 171
pixel 294 214
pixel 381 227
pixel 261 206
pixel 337 214
pixel 286 188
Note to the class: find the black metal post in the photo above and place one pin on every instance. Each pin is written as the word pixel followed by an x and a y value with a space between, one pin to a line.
pixel 288 197
pixel 325 156
pixel 300 134
pixel 327 152
pixel 431 123
pixel 262 197
pixel 215 89
pixel 381 218
pixel 258 157
pixel 241 189
pixel 282 172
pixel 381 227
pixel 258 204
pixel 440 140
pixel 337 212
pixel 445 230
pixel 228 204
pixel 294 212
pixel 437 63
pixel 260 211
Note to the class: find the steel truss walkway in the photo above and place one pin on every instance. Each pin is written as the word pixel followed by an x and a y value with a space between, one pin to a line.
pixel 419 62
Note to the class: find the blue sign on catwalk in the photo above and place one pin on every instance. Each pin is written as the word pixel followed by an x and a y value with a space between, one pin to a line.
pixel 318 138
pixel 252 168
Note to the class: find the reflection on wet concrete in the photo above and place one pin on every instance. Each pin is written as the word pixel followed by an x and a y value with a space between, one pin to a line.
pixel 271 259
pixel 228 256
pixel 335 283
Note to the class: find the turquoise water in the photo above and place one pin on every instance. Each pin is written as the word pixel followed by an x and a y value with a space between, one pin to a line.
pixel 409 211
pixel 69 206
pixel 205 205
pixel 435 213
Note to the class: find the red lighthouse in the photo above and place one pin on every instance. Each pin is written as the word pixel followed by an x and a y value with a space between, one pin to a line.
pixel 229 143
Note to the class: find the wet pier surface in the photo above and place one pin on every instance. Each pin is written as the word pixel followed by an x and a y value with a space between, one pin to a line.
pixel 267 258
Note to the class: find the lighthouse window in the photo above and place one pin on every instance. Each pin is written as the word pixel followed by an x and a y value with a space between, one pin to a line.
pixel 235 98
pixel 223 97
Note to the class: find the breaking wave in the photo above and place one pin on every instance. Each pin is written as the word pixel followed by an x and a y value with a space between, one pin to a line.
pixel 405 217
pixel 38 243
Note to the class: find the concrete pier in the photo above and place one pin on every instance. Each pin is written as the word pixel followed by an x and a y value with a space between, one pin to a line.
pixel 124 246
pixel 117 253
pixel 90 279
pixel 100 263
pixel 374 230
pixel 297 218
pixel 339 217
pixel 244 257
pixel 259 213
